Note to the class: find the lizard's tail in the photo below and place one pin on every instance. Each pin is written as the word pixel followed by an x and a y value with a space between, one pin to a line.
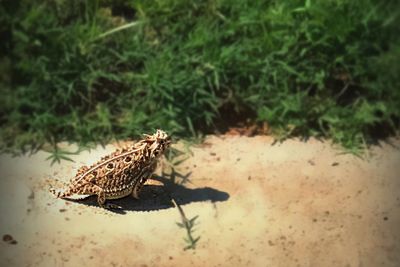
pixel 60 193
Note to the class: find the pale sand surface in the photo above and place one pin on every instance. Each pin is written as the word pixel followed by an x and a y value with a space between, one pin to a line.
pixel 259 204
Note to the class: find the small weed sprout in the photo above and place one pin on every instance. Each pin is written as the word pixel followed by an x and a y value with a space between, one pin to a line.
pixel 187 224
pixel 174 158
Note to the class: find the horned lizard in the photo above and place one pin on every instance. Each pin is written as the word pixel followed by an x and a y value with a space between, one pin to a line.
pixel 119 174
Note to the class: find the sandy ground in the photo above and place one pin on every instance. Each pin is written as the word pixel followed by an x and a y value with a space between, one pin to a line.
pixel 259 204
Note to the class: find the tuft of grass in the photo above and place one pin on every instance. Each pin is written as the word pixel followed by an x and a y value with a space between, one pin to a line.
pixel 92 71
pixel 57 154
pixel 188 225
pixel 173 159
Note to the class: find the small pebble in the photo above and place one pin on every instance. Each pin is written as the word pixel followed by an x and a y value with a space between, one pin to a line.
pixel 7 238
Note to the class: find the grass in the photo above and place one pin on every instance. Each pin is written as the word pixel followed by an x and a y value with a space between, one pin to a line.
pixel 92 71
pixel 188 225
pixel 174 158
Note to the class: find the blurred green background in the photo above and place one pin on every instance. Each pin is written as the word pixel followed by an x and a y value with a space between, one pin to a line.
pixel 88 71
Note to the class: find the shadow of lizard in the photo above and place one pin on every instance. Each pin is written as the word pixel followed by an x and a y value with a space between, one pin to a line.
pixel 153 197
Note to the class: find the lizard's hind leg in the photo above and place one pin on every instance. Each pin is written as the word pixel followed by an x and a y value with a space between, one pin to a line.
pixel 101 198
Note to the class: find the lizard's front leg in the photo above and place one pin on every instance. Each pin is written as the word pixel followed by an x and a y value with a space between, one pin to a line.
pixel 147 181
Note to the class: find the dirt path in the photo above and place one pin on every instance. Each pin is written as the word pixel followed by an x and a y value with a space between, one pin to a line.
pixel 290 204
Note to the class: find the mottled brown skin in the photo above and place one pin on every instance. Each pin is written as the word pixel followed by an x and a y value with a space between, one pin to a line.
pixel 119 174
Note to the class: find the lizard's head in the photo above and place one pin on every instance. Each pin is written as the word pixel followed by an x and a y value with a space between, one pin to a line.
pixel 158 143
